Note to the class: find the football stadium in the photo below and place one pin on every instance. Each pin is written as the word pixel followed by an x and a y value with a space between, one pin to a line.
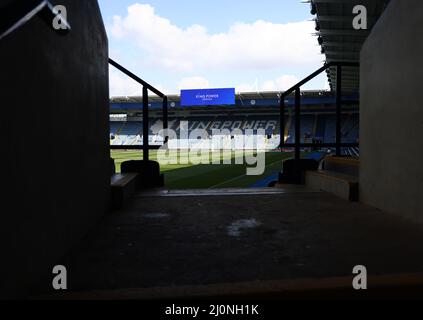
pixel 251 111
pixel 129 177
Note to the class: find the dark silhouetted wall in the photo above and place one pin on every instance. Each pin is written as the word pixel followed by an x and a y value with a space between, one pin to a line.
pixel 391 124
pixel 54 143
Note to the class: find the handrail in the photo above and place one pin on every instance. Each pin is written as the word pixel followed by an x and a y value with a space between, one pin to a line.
pixel 316 73
pixel 297 90
pixel 19 12
pixel 145 87
pixel 136 78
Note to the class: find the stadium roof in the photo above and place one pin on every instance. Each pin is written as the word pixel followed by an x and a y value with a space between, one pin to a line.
pixel 239 96
pixel 337 37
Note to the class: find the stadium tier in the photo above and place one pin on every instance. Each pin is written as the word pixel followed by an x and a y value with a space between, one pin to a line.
pixel 251 111
pixel 314 127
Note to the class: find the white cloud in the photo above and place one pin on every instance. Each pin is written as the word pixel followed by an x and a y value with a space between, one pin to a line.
pixel 327 85
pixel 257 45
pixel 193 83
pixel 279 84
pixel 245 87
pixel 282 83
pixel 121 85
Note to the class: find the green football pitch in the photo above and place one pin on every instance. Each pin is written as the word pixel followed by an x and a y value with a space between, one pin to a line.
pixel 186 176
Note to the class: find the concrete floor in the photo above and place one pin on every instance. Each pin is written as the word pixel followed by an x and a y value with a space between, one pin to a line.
pixel 184 238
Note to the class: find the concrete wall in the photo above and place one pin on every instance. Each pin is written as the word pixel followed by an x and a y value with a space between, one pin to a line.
pixel 391 136
pixel 54 143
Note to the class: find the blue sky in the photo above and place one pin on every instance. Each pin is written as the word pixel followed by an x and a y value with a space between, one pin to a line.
pixel 181 44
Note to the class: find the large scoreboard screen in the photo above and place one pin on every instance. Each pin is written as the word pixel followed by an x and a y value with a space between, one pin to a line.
pixel 208 97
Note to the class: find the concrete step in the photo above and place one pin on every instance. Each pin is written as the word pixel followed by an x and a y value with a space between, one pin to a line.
pixel 342 185
pixel 123 187
pixel 345 165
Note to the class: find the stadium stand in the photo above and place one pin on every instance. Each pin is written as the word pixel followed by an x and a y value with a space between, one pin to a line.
pixel 313 127
pixel 318 123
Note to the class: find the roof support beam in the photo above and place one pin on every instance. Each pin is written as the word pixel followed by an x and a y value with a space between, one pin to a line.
pixel 347 19
pixel 344 32
pixel 343 44
pixel 355 54
pixel 349 72
pixel 344 1
pixel 341 60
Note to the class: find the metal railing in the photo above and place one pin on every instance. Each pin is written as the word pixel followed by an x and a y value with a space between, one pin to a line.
pixel 338 145
pixel 145 111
